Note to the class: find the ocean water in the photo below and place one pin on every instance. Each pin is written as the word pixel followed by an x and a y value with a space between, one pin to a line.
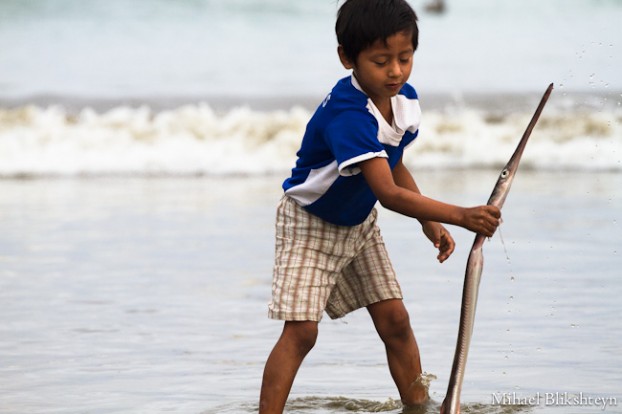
pixel 201 48
pixel 217 88
pixel 139 295
pixel 142 147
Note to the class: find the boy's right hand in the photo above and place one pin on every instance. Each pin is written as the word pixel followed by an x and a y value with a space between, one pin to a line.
pixel 482 220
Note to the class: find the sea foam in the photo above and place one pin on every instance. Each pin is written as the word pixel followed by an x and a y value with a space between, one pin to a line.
pixel 195 139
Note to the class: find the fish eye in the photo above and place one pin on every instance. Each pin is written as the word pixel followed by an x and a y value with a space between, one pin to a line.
pixel 505 173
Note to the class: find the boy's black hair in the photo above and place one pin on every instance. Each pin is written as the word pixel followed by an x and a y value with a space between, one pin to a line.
pixel 360 23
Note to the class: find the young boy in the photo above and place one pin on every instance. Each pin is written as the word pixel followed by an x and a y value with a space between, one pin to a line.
pixel 329 252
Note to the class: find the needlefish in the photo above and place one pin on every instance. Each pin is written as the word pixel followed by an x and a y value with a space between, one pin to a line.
pixel 473 274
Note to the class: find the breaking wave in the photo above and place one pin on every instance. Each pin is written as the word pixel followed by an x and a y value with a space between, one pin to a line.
pixel 195 139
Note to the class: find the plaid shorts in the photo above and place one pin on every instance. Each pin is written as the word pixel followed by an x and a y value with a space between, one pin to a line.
pixel 321 266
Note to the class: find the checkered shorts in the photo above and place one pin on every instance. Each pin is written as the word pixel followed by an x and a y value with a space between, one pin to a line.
pixel 321 266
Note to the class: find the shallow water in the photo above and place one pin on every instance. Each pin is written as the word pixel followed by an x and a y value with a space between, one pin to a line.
pixel 150 295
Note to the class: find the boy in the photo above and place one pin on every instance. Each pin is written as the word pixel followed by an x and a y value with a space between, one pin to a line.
pixel 329 252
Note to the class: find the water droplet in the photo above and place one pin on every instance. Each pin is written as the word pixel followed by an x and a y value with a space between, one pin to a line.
pixel 572 325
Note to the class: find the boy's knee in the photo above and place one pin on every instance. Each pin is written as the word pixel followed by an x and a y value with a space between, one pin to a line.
pixel 394 324
pixel 302 335
pixel 399 324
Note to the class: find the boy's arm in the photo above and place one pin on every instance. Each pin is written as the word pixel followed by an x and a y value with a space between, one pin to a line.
pixel 434 231
pixel 403 178
pixel 406 199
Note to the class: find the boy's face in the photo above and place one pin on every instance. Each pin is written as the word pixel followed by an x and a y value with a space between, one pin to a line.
pixel 382 69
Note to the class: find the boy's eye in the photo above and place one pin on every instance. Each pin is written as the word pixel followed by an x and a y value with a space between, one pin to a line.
pixel 380 63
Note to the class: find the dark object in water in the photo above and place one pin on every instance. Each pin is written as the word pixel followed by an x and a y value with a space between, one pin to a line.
pixel 435 6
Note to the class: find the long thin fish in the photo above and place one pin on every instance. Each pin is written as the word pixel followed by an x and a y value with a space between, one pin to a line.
pixel 451 404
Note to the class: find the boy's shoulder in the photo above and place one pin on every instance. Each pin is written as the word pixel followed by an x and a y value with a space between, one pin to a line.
pixel 344 104
pixel 344 96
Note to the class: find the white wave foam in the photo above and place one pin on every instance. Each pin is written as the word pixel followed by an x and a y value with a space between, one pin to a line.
pixel 561 140
pixel 195 139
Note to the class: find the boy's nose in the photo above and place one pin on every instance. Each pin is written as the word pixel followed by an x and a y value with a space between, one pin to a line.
pixel 395 70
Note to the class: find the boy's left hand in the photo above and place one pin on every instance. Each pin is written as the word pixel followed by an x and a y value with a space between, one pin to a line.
pixel 441 239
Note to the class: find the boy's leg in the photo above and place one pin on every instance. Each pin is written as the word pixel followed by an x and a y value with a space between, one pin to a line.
pixel 393 325
pixel 294 344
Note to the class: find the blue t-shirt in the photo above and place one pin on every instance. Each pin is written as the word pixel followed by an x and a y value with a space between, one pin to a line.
pixel 346 129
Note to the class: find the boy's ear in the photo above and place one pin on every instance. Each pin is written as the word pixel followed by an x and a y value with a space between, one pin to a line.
pixel 345 61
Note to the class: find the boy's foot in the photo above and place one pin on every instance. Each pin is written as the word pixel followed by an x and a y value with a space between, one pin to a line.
pixel 418 391
pixel 415 409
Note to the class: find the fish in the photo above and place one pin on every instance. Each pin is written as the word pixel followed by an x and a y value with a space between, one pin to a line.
pixel 475 265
